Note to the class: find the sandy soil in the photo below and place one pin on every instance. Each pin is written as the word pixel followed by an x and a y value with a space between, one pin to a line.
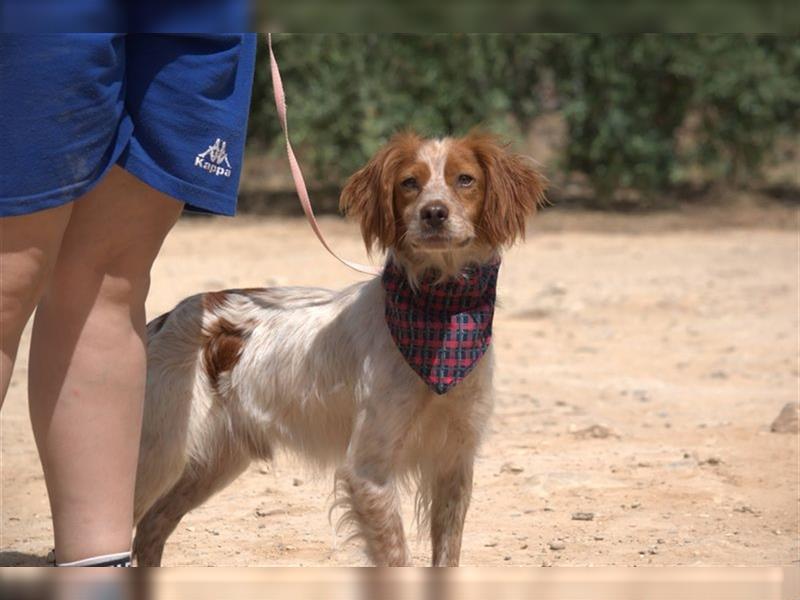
pixel 641 362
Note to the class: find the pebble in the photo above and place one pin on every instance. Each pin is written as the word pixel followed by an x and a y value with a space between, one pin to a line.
pixel 661 541
pixel 523 547
pixel 506 558
pixel 599 432
pixel 511 468
pixel 583 516
pixel 711 460
pixel 557 545
pixel 787 420
pixel 547 563
pixel 744 508
pixel 297 482
pixel 490 544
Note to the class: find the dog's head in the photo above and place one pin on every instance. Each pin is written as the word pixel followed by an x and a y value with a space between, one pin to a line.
pixel 454 195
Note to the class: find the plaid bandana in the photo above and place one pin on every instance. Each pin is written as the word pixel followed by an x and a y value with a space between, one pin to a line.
pixel 441 329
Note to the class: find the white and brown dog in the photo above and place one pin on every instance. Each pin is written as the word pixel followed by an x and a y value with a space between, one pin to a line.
pixel 234 375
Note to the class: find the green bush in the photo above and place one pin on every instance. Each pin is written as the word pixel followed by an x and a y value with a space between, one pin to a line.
pixel 626 99
pixel 747 91
pixel 623 100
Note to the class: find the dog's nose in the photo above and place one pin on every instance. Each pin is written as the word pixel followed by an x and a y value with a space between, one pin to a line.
pixel 434 214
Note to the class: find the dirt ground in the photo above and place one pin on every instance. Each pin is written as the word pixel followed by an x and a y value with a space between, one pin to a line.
pixel 641 360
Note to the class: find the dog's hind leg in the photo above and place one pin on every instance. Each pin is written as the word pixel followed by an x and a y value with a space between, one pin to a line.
pixel 196 485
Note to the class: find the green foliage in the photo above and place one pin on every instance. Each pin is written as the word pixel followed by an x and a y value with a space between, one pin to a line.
pixel 747 91
pixel 623 99
pixel 627 99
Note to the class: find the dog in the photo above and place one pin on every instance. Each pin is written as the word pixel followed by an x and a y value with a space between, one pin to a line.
pixel 334 376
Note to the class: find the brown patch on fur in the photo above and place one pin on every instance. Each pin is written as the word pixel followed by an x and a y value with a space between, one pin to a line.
pixel 369 194
pixel 212 301
pixel 247 291
pixel 154 326
pixel 514 190
pixel 222 348
pixel 461 160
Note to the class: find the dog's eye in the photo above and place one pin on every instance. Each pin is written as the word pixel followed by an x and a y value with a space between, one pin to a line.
pixel 465 180
pixel 409 183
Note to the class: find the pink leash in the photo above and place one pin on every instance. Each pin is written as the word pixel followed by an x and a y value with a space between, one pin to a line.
pixel 297 174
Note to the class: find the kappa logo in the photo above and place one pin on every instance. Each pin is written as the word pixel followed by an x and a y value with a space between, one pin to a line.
pixel 215 159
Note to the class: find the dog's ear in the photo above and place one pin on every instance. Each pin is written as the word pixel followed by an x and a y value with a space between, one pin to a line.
pixel 514 190
pixel 368 195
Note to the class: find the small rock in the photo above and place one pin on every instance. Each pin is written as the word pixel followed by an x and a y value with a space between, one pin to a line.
pixel 547 563
pixel 506 558
pixel 661 541
pixel 636 505
pixel 711 460
pixel 652 550
pixel 490 544
pixel 51 557
pixel 599 432
pixel 598 538
pixel 557 545
pixel 263 470
pixel 583 516
pixel 744 508
pixel 297 482
pixel 523 547
pixel 511 468
pixel 787 420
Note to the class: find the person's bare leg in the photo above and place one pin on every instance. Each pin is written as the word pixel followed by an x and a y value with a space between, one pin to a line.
pixel 87 369
pixel 28 248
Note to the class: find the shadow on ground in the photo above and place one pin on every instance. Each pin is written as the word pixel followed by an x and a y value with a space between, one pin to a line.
pixel 12 558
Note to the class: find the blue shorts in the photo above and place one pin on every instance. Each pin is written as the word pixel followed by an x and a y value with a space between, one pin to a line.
pixel 170 109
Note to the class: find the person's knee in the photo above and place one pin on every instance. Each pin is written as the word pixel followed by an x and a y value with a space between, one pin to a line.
pixel 23 278
pixel 117 278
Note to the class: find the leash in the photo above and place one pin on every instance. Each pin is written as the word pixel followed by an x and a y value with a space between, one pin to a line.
pixel 297 174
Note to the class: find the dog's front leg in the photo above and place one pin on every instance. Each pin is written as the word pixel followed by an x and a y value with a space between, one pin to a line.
pixel 368 488
pixel 450 496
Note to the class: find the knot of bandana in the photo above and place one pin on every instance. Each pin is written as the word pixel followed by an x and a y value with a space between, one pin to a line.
pixel 442 328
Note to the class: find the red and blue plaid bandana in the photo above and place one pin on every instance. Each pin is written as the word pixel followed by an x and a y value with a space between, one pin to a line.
pixel 442 329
